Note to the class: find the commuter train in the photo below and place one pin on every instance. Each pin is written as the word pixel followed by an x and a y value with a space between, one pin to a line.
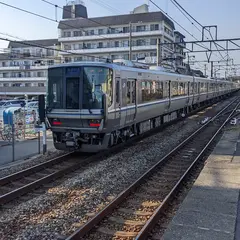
pixel 93 106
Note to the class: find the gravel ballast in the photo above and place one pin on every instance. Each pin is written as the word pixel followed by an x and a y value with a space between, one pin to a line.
pixel 62 209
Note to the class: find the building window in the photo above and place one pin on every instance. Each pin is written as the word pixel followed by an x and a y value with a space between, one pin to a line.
pixel 153 54
pixel 125 43
pixel 100 31
pixel 50 62
pixel 141 42
pixel 100 45
pixel 67 47
pixel 89 45
pixel 28 84
pixel 39 74
pixel 125 29
pixel 27 74
pixel 66 34
pixel 116 43
pixel 40 84
pixel 113 30
pixel 77 59
pixel 153 41
pixel 154 27
pixel 6 84
pixel 89 32
pixel 141 28
pixel 77 33
pixel 16 85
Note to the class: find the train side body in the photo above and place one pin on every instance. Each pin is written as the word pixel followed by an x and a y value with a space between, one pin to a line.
pixel 92 106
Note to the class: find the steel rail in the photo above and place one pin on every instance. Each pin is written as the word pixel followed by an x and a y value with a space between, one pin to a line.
pixel 143 234
pixel 31 170
pixel 89 225
pixel 11 195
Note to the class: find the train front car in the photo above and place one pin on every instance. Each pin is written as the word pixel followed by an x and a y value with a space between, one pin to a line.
pixel 77 105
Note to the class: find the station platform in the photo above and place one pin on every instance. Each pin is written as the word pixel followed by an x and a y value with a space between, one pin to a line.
pixel 211 209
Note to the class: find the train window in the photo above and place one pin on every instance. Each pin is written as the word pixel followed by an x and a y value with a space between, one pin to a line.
pixel 128 92
pixel 195 87
pixel 117 92
pixel 182 89
pixel 191 88
pixel 174 89
pixel 72 97
pixel 133 92
pixel 152 91
pixel 202 87
pixel 55 88
pixel 166 90
pixel 159 90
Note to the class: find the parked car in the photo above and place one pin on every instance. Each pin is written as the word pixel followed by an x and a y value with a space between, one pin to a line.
pixel 12 103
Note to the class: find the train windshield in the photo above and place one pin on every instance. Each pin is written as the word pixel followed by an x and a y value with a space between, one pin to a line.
pixel 79 87
pixel 55 88
pixel 96 82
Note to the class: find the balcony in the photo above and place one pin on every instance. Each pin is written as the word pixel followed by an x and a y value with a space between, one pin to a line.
pixel 180 54
pixel 22 79
pixel 110 36
pixel 22 90
pixel 110 50
pixel 24 67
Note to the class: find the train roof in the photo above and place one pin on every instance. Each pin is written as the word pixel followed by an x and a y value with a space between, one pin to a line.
pixel 127 68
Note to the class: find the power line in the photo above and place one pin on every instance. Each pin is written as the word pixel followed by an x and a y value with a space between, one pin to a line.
pixel 46 18
pixel 106 5
pixel 173 20
pixel 49 19
pixel 194 19
pixel 187 13
pixel 70 11
pixel 49 48
pixel 176 5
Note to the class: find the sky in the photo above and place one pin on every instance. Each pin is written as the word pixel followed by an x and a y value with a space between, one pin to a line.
pixel 223 13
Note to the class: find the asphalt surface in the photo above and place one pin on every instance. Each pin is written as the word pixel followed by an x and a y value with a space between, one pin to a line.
pixel 22 150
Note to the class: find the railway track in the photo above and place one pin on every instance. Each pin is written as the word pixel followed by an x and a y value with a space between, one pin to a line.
pixel 20 183
pixel 26 181
pixel 136 210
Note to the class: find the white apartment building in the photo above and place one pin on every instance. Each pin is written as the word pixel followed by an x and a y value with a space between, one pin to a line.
pixel 23 67
pixel 91 39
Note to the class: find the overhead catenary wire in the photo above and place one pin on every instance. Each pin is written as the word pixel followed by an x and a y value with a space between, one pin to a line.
pixel 106 5
pixel 195 20
pixel 50 48
pixel 49 19
pixel 70 11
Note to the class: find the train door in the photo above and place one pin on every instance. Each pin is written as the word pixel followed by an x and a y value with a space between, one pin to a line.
pixel 123 101
pixel 207 89
pixel 188 93
pixel 117 102
pixel 131 101
pixel 168 95
pixel 198 90
pixel 194 91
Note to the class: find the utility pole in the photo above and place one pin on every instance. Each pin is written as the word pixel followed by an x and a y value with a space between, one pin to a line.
pixel 159 53
pixel 130 41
